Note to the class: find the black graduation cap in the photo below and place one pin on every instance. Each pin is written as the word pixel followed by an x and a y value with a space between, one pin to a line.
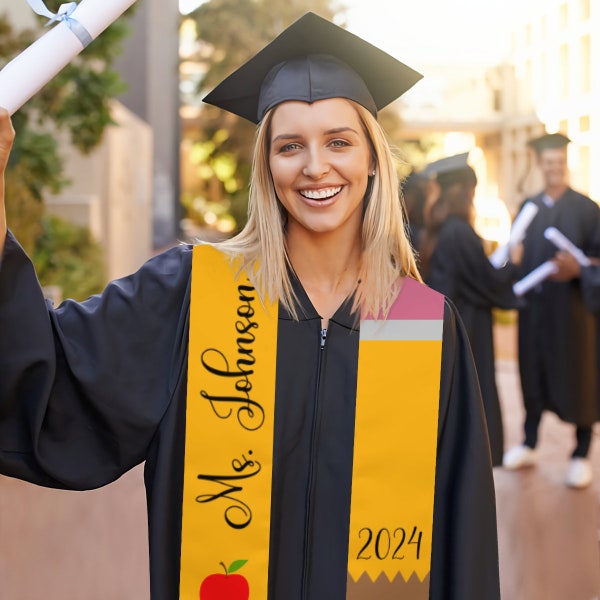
pixel 447 164
pixel 313 59
pixel 451 169
pixel 548 141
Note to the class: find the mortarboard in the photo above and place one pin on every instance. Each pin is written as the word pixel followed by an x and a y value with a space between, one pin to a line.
pixel 548 141
pixel 313 59
pixel 447 164
pixel 451 169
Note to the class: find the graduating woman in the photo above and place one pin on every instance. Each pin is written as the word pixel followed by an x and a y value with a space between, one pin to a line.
pixel 460 269
pixel 307 410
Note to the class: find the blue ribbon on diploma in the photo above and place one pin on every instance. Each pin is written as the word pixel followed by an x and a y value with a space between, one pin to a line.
pixel 64 14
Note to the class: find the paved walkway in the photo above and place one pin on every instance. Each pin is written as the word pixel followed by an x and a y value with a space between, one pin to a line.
pixel 548 534
pixel 72 545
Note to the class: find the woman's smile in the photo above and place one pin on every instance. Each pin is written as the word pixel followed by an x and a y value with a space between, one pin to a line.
pixel 321 194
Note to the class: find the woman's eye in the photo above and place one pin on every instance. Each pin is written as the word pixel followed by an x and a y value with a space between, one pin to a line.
pixel 339 143
pixel 289 147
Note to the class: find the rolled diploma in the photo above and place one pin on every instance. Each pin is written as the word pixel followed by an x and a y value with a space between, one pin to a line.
pixel 522 222
pixel 499 257
pixel 28 72
pixel 532 279
pixel 564 243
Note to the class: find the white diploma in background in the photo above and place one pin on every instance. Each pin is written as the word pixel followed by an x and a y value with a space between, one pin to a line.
pixel 564 243
pixel 27 73
pixel 500 256
pixel 548 268
pixel 534 278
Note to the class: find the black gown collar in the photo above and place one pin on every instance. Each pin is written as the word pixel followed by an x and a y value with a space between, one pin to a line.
pixel 343 316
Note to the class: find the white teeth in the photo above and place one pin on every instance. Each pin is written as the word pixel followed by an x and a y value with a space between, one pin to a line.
pixel 320 194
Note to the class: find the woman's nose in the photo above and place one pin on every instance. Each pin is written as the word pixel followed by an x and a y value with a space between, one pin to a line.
pixel 316 165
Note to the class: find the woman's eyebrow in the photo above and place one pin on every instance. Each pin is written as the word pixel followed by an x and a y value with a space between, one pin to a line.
pixel 291 136
pixel 341 130
pixel 286 136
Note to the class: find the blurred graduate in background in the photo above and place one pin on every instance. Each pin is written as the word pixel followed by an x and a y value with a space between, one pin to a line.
pixel 459 268
pixel 557 334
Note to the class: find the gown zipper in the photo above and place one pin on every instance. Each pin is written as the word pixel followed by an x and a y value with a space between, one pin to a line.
pixel 309 492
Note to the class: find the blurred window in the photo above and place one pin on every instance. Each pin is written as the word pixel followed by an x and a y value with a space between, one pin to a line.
pixel 584 9
pixel 585 63
pixel 564 71
pixel 563 16
pixel 563 125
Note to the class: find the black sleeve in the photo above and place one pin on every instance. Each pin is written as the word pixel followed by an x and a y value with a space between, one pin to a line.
pixel 465 547
pixel 83 387
pixel 477 279
pixel 590 287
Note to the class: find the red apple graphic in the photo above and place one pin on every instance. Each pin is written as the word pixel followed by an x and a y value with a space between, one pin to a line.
pixel 227 586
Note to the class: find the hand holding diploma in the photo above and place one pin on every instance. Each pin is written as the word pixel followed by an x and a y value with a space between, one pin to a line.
pixel 534 278
pixel 517 233
pixel 565 266
pixel 564 243
pixel 78 25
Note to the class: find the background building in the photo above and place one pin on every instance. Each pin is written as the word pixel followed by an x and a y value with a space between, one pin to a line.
pixel 150 66
pixel 552 88
pixel 545 83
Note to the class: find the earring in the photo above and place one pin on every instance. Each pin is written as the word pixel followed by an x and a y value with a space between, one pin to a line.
pixel 373 173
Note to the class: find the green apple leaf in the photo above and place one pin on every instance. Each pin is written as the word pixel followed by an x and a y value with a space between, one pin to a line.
pixel 236 565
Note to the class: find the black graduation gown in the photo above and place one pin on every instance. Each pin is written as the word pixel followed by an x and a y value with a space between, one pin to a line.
pixel 557 334
pixel 590 288
pixel 89 390
pixel 460 269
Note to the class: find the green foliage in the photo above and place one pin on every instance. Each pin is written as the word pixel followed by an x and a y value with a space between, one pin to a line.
pixel 23 210
pixel 65 255
pixel 79 100
pixel 419 152
pixel 35 156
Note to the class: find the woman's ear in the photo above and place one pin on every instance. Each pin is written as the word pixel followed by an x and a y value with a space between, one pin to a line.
pixel 372 168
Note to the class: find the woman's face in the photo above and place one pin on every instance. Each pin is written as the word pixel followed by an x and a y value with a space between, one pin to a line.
pixel 320 160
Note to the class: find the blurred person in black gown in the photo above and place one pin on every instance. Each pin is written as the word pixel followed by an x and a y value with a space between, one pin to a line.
pixel 427 233
pixel 460 268
pixel 414 191
pixel 557 334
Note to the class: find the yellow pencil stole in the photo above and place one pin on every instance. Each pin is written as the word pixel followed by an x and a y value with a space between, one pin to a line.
pixel 230 428
pixel 395 444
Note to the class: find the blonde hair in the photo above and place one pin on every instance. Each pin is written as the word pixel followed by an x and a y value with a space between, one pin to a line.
pixel 386 251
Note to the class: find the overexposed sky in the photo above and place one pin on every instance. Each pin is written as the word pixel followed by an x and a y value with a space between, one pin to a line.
pixel 424 32
pixel 421 32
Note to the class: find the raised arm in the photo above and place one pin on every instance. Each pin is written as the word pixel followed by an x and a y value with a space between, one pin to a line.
pixel 7 135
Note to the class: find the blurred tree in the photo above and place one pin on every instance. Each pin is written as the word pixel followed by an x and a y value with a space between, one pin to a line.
pixel 66 256
pixel 77 100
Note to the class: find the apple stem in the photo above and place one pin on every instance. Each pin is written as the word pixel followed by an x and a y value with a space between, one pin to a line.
pixel 224 568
